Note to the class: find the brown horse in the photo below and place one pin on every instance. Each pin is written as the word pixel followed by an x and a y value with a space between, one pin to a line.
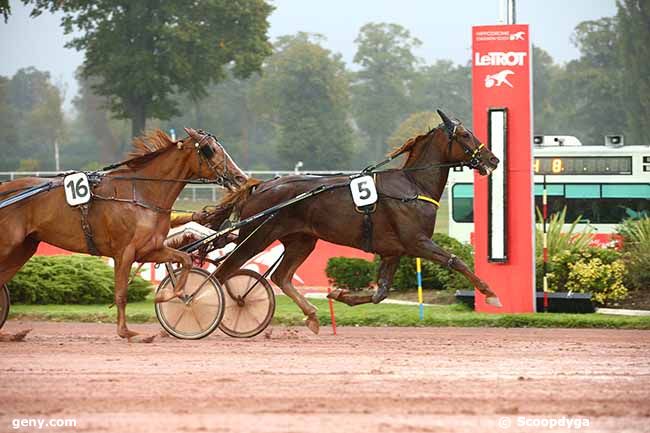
pixel 402 223
pixel 128 216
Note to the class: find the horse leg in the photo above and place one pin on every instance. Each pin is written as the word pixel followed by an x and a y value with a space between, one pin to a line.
pixel 387 267
pixel 11 263
pixel 123 265
pixel 427 249
pixel 165 255
pixel 10 266
pixel 296 249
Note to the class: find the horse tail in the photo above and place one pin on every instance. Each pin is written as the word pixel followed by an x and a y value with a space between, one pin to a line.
pixel 214 216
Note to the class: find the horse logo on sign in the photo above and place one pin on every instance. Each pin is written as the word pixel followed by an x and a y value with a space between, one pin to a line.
pixel 498 79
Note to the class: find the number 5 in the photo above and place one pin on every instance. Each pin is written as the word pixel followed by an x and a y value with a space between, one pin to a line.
pixel 363 190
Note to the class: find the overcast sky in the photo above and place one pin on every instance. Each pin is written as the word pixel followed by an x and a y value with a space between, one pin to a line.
pixel 444 27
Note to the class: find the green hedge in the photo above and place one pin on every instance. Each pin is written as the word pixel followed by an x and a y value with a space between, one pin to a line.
pixel 351 274
pixel 73 279
pixel 435 276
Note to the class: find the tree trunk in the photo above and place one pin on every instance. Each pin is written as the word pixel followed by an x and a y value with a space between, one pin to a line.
pixel 138 120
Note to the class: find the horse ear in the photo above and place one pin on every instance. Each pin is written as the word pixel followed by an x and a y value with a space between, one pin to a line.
pixel 192 133
pixel 449 125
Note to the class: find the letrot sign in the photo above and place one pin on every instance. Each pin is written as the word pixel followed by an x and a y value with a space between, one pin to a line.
pixel 503 204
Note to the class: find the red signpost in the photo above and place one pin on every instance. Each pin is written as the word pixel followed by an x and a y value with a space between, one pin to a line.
pixel 503 201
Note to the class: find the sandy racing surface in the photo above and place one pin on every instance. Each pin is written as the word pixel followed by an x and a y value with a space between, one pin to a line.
pixel 363 380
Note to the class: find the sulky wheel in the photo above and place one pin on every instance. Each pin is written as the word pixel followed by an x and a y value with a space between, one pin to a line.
pixel 197 316
pixel 4 304
pixel 250 304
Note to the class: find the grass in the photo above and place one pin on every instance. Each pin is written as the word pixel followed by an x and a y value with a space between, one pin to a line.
pixel 365 315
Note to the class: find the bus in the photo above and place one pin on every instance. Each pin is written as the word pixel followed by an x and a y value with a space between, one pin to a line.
pixel 603 185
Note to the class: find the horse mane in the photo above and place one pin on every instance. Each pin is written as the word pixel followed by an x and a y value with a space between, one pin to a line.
pixel 148 146
pixel 239 195
pixel 410 144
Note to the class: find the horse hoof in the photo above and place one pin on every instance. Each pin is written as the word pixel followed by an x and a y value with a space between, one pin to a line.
pixel 336 294
pixel 494 301
pixel 312 324
pixel 138 339
pixel 379 296
pixel 18 336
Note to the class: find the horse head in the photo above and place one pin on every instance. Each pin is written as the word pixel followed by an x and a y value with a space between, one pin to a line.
pixel 463 146
pixel 213 162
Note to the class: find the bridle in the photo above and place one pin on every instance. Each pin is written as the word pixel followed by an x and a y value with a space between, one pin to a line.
pixel 205 152
pixel 473 162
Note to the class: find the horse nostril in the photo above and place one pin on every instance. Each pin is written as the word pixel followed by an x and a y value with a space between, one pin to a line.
pixel 494 160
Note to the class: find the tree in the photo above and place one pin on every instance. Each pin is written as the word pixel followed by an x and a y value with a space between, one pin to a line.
pixel 5 9
pixel 304 91
pixel 587 99
pixel 414 125
pixel 443 85
pixel 380 88
pixel 545 75
pixel 228 110
pixel 142 52
pixel 633 28
pixel 32 116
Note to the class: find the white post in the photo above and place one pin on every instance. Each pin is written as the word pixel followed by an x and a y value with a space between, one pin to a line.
pixel 56 155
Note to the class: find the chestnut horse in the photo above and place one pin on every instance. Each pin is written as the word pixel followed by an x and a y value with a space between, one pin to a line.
pixel 128 216
pixel 402 223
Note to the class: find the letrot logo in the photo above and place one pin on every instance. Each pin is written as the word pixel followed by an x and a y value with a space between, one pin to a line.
pixel 496 58
pixel 519 36
pixel 498 79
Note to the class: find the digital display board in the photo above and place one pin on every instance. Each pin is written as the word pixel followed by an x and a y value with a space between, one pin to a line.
pixel 573 165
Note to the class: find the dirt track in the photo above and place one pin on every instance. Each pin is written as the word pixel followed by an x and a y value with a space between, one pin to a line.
pixel 364 380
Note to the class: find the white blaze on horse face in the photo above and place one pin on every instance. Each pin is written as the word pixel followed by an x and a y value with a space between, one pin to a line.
pixel 235 168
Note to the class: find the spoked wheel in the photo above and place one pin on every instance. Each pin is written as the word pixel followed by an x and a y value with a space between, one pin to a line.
pixel 4 304
pixel 197 316
pixel 250 304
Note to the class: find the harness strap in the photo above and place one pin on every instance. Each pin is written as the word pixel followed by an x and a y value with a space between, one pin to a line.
pixel 428 199
pixel 87 230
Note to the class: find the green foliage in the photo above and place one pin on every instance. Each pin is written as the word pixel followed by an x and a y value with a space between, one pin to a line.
pixel 635 232
pixel 349 273
pixel 633 29
pixel 435 276
pixel 636 248
pixel 603 281
pixel 415 124
pixel 286 313
pixel 143 52
pixel 599 271
pixel 558 238
pixel 73 279
pixel 380 88
pixel 31 119
pixel 446 85
pixel 304 90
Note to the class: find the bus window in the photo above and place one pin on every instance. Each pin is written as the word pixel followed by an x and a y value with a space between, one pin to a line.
pixel 463 202
pixel 594 203
pixel 621 201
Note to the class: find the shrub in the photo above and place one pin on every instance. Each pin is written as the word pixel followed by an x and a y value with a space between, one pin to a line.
pixel 604 281
pixel 558 239
pixel 593 270
pixel 435 276
pixel 73 279
pixel 636 247
pixel 351 274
